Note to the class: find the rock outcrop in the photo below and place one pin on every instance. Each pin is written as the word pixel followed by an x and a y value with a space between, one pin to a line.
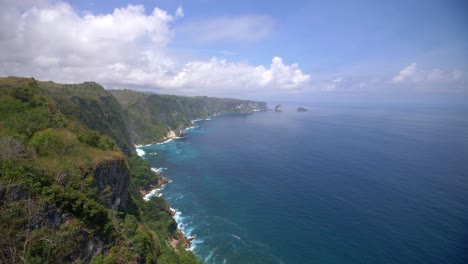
pixel 279 108
pixel 113 180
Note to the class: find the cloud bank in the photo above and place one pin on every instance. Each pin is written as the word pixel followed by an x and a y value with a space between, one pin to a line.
pixel 431 78
pixel 49 40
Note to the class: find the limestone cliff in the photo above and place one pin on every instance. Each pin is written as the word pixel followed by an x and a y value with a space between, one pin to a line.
pixel 150 116
pixel 113 180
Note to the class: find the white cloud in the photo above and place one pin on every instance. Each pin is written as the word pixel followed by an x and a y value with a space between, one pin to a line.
pixel 330 85
pixel 430 78
pixel 179 12
pixel 228 29
pixel 405 73
pixel 51 41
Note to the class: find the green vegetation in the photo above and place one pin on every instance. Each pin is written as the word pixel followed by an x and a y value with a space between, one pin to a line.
pixel 91 105
pixel 69 185
pixel 150 116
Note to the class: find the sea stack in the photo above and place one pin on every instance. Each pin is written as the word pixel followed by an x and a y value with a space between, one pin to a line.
pixel 301 109
pixel 279 108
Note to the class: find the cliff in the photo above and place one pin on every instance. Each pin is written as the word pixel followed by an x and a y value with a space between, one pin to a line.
pixel 69 186
pixel 93 106
pixel 151 116
pixel 112 178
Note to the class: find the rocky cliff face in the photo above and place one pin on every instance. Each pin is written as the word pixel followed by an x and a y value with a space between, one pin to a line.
pixel 150 116
pixel 94 107
pixel 113 180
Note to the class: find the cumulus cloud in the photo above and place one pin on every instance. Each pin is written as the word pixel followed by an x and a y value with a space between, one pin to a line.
pixel 49 40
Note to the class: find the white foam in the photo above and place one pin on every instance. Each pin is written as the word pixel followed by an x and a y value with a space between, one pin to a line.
pixel 139 146
pixel 164 142
pixel 155 192
pixel 183 227
pixel 169 140
pixel 210 255
pixel 157 170
pixel 140 152
pixel 236 237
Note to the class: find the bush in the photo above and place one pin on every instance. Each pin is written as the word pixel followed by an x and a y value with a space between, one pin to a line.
pixel 96 140
pixel 47 142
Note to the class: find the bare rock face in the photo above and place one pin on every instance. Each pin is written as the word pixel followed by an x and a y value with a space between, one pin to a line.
pixel 113 180
pixel 279 108
pixel 182 133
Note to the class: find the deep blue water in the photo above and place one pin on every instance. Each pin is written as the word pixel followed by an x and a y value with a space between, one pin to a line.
pixel 333 185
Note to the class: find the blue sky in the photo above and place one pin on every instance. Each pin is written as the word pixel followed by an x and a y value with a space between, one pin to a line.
pixel 401 51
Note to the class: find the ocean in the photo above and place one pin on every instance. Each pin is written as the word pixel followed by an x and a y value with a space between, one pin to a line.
pixel 336 184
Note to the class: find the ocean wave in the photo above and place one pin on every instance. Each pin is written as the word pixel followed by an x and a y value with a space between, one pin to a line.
pixel 167 141
pixel 140 152
pixel 157 170
pixel 139 146
pixel 186 227
pixel 210 255
pixel 156 191
pixel 164 142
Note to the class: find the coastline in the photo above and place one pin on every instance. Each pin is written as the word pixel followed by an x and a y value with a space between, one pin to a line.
pixel 171 135
pixel 181 239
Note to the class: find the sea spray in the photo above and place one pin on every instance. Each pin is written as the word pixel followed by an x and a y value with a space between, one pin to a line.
pixel 140 152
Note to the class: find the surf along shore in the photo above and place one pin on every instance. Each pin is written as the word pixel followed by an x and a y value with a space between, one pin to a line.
pixel 182 238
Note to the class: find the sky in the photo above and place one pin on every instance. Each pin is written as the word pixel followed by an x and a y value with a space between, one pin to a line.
pixel 296 50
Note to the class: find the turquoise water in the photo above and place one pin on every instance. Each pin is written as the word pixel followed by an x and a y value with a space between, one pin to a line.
pixel 333 185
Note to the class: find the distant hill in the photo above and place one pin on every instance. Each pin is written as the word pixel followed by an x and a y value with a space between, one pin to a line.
pixel 151 117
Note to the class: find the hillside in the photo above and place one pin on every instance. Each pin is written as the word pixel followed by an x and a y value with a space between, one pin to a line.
pixel 93 106
pixel 69 185
pixel 151 117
